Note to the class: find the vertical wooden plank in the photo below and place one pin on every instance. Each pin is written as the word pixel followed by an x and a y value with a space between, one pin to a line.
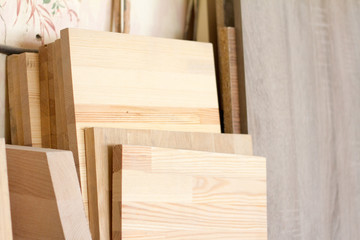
pixel 5 217
pixel 44 97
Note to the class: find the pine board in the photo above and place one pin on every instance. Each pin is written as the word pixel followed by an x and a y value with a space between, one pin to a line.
pixel 44 97
pixel 120 80
pixel 302 76
pixel 164 193
pixel 16 124
pixel 45 194
pixel 5 217
pixel 24 99
pixel 99 144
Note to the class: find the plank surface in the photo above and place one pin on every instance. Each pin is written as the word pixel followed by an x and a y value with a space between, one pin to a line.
pixel 5 217
pixel 99 144
pixel 163 193
pixel 229 82
pixel 302 74
pixel 120 80
pixel 45 194
pixel 4 101
pixel 30 98
pixel 16 124
pixel 24 99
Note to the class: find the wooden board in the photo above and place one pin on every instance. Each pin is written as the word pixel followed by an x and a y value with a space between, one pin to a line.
pixel 4 102
pixel 45 194
pixel 5 217
pixel 229 82
pixel 302 74
pixel 163 193
pixel 99 143
pixel 16 124
pixel 120 80
pixel 24 99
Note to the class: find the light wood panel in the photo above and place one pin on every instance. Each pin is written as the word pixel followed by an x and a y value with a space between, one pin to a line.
pixel 302 74
pixel 163 193
pixel 120 80
pixel 5 217
pixel 99 143
pixel 229 82
pixel 24 99
pixel 45 194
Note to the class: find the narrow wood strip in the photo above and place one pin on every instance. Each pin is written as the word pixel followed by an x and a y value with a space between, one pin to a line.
pixel 44 97
pixel 5 216
pixel 229 87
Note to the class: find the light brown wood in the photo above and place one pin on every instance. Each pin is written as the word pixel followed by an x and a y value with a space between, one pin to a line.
pixel 24 99
pixel 4 102
pixel 120 80
pixel 45 195
pixel 30 98
pixel 16 126
pixel 5 217
pixel 99 143
pixel 51 83
pixel 44 97
pixel 163 193
pixel 229 82
pixel 240 66
pixel 302 77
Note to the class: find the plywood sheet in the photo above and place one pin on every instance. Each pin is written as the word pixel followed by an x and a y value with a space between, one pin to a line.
pixel 24 99
pixel 45 194
pixel 302 76
pixel 5 217
pixel 99 143
pixel 163 193
pixel 119 80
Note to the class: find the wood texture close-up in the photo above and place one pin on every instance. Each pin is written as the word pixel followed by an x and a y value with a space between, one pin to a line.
pixel 99 144
pixel 302 76
pixel 45 195
pixel 24 99
pixel 120 80
pixel 5 216
pixel 164 193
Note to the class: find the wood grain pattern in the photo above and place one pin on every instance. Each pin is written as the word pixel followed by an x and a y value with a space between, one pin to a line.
pixel 44 97
pixel 5 217
pixel 163 193
pixel 99 144
pixel 4 102
pixel 45 194
pixel 166 84
pixel 16 126
pixel 229 82
pixel 302 73
pixel 24 99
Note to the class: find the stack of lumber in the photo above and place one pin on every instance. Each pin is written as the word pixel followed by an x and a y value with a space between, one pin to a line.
pixel 140 116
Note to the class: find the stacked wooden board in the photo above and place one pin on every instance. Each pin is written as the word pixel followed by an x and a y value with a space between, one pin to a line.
pixel 99 144
pixel 45 195
pixel 5 217
pixel 162 193
pixel 99 90
pixel 107 79
pixel 24 99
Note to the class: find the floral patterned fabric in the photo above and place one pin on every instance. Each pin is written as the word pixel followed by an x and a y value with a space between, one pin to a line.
pixel 30 23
